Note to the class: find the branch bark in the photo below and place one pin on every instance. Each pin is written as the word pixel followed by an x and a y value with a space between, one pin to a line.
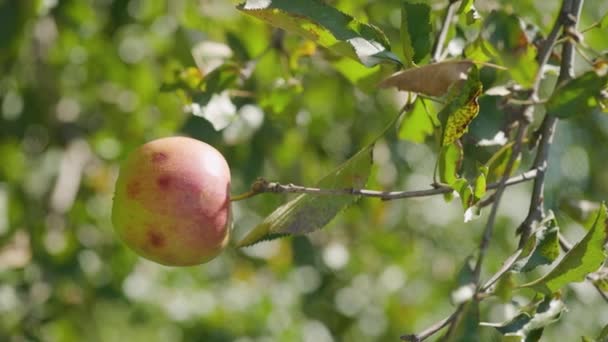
pixel 263 186
pixel 443 33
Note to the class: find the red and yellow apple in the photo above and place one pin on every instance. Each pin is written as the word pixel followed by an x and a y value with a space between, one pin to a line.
pixel 172 201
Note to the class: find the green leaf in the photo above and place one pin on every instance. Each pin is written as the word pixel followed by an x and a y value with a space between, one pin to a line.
pixel 417 124
pixel 542 248
pixel 498 163
pixel 604 21
pixel 465 6
pixel 363 77
pixel 326 26
pixel 465 191
pixel 461 109
pixel 504 31
pixel 585 257
pixel 480 183
pixel 450 158
pixel 307 213
pixel 579 96
pixel 480 51
pixel 531 321
pixel 603 336
pixel 415 31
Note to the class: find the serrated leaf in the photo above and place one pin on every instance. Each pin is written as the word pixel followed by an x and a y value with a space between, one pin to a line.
pixel 417 124
pixel 326 26
pixel 415 31
pixel 450 158
pixel 543 247
pixel 579 96
pixel 432 79
pixel 307 213
pixel 529 324
pixel 585 257
pixel 461 109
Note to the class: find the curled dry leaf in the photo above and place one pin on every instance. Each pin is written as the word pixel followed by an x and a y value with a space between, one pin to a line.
pixel 432 79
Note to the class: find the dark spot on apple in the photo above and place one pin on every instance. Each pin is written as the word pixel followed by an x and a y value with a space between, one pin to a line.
pixel 133 189
pixel 163 181
pixel 159 157
pixel 156 239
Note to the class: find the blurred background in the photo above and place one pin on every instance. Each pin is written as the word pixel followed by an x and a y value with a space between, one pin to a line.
pixel 82 83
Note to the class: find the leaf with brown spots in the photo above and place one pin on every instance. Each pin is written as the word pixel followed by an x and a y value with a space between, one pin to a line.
pixel 432 79
pixel 461 109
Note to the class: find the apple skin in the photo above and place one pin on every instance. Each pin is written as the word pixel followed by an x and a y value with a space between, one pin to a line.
pixel 172 201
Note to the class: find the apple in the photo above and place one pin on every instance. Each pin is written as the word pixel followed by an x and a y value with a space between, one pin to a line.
pixel 172 201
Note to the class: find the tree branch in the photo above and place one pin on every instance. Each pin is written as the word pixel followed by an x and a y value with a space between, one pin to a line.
pixel 430 331
pixel 568 18
pixel 263 186
pixel 443 33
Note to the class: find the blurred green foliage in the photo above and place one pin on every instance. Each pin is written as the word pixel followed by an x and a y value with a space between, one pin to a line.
pixel 82 83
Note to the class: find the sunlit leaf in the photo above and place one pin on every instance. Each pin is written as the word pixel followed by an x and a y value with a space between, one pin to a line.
pixel 480 51
pixel 461 109
pixel 450 158
pixel 585 257
pixel 480 183
pixel 415 31
pixel 326 26
pixel 432 79
pixel 580 96
pixel 417 124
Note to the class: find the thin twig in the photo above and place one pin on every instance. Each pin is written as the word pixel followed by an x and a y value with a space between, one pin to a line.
pixel 443 33
pixel 489 229
pixel 263 186
pixel 430 331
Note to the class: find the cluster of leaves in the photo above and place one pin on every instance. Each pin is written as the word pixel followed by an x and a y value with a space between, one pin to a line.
pixel 287 89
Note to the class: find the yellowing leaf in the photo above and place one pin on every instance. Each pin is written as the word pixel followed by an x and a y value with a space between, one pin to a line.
pixel 432 79
pixel 462 108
